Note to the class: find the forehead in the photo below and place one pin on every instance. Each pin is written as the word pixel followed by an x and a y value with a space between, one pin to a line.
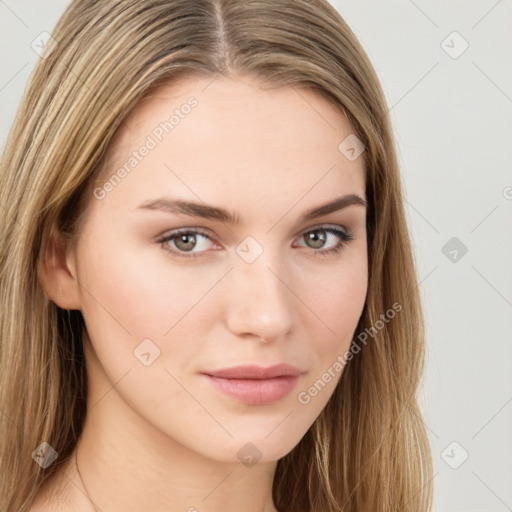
pixel 216 139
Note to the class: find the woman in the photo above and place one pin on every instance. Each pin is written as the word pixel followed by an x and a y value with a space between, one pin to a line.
pixel 220 310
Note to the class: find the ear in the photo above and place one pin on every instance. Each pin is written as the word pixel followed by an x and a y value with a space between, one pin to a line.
pixel 56 271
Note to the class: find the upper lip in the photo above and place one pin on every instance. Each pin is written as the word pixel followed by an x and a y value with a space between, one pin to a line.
pixel 255 372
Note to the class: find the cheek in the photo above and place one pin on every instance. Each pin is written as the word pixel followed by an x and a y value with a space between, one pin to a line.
pixel 134 295
pixel 139 289
pixel 346 307
pixel 338 306
pixel 137 294
pixel 338 303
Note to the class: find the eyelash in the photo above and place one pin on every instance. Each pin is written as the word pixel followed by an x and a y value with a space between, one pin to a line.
pixel 346 237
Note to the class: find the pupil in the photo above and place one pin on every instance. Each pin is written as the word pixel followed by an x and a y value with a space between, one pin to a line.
pixel 314 237
pixel 319 239
pixel 183 238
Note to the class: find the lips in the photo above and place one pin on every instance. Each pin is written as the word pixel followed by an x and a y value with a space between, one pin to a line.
pixel 255 372
pixel 255 385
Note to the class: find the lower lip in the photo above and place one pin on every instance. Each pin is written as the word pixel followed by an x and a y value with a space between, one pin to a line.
pixel 256 391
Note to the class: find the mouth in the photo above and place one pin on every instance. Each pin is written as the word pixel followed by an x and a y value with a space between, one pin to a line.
pixel 255 391
pixel 255 385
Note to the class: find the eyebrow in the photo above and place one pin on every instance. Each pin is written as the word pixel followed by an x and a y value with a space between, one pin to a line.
pixel 205 211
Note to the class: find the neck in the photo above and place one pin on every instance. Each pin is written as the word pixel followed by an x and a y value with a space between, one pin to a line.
pixel 125 463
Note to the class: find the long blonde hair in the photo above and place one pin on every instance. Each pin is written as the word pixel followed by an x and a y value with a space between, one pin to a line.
pixel 368 449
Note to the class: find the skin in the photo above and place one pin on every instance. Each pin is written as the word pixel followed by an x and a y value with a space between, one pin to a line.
pixel 161 437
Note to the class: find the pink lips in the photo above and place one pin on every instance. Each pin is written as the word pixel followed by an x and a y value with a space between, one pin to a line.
pixel 255 385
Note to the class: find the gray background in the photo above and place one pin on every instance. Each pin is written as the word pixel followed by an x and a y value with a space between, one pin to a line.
pixel 452 116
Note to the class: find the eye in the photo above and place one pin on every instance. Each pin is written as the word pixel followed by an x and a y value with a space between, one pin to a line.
pixel 312 236
pixel 185 240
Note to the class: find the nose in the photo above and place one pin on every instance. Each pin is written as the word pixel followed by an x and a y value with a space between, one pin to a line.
pixel 260 300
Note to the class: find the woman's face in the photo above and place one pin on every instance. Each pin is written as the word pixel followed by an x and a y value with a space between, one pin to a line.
pixel 161 312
